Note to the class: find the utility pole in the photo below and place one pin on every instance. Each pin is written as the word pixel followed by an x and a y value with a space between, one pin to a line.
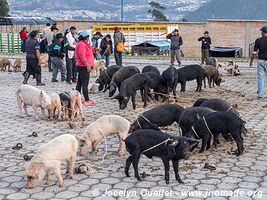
pixel 122 10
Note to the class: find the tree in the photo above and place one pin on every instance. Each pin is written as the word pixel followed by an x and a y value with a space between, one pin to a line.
pixel 157 11
pixel 4 8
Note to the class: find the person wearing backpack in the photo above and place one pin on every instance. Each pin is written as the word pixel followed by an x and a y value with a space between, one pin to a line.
pixel 176 42
pixel 119 41
pixel 56 54
pixel 70 45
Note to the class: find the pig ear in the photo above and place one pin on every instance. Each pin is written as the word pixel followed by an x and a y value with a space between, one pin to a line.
pixel 37 166
pixel 174 142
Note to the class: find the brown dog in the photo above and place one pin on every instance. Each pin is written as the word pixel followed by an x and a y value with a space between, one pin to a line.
pixel 98 65
pixel 17 65
pixel 5 63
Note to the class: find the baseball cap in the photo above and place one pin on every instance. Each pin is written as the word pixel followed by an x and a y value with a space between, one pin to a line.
pixel 264 29
pixel 84 34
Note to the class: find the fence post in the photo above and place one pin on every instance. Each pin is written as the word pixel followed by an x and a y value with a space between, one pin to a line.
pixel 8 43
pixel 1 43
pixel 12 43
pixel 19 43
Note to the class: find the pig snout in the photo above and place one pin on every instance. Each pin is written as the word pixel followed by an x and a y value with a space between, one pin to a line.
pixel 30 185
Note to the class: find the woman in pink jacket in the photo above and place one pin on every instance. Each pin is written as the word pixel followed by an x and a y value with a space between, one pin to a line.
pixel 84 62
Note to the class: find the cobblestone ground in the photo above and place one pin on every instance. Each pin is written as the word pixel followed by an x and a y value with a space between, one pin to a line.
pixel 245 174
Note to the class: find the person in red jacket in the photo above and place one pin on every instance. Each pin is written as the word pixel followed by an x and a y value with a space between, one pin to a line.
pixel 23 37
pixel 84 63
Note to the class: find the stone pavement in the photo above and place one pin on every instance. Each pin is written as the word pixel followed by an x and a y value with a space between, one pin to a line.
pixel 244 175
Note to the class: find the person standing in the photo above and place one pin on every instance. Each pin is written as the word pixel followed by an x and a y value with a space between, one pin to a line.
pixel 57 55
pixel 23 37
pixel 106 48
pixel 176 42
pixel 119 41
pixel 260 50
pixel 84 62
pixel 96 41
pixel 205 46
pixel 49 34
pixel 70 46
pixel 33 67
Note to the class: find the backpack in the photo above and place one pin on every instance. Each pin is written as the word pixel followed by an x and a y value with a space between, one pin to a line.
pixel 43 46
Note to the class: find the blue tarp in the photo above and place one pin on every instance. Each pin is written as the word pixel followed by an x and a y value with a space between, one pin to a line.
pixel 225 49
pixel 162 44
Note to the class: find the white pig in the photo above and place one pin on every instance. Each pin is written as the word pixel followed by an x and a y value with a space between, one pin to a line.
pixel 106 125
pixel 56 105
pixel 49 157
pixel 32 96
pixel 76 104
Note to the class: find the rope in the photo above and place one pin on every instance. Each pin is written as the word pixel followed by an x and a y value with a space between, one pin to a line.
pixel 153 147
pixel 207 125
pixel 114 84
pixel 107 75
pixel 145 118
pixel 229 108
pixel 195 132
pixel 139 123
pixel 166 95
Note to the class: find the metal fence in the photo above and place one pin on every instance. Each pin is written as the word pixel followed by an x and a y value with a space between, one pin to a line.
pixel 10 43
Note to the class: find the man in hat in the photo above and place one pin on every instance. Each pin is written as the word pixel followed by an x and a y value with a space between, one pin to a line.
pixel 70 47
pixel 176 42
pixel 33 67
pixel 260 50
pixel 119 39
pixel 49 35
pixel 205 46
pixel 57 56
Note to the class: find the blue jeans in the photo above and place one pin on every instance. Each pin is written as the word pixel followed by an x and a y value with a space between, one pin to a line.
pixel 57 65
pixel 261 69
pixel 107 59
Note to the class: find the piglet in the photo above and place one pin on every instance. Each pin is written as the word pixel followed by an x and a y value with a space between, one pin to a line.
pixel 49 157
pixel 105 125
pixel 32 96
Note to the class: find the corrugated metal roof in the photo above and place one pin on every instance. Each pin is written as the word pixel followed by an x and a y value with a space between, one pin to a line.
pixel 25 20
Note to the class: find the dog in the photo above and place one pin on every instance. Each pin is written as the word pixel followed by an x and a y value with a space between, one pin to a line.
pixel 99 65
pixel 17 65
pixel 5 63
pixel 232 68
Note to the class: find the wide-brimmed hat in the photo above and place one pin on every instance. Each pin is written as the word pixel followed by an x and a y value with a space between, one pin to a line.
pixel 264 29
pixel 54 28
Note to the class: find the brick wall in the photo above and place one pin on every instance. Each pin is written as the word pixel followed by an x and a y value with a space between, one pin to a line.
pixel 226 33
